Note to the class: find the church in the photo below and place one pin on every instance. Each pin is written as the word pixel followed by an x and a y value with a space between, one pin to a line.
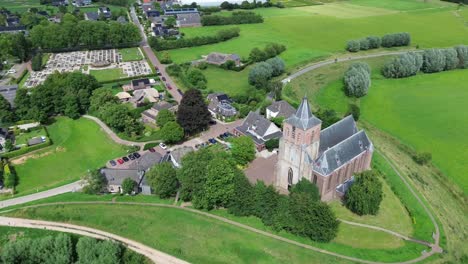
pixel 328 158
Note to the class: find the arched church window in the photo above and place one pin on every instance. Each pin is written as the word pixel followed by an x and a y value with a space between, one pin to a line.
pixel 293 132
pixel 290 178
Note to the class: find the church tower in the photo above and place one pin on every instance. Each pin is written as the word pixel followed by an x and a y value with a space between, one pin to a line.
pixel 298 148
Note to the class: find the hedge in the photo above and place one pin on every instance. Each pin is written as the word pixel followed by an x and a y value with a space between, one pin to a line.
pixel 150 145
pixel 22 151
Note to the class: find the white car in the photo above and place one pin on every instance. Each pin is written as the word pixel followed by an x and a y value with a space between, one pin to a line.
pixel 12 71
pixel 162 145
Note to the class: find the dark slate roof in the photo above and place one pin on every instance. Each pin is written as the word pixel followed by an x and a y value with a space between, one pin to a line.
pixel 336 133
pixel 256 126
pixel 146 161
pixel 35 141
pixel 342 153
pixel 137 82
pixel 303 118
pixel 12 28
pixel 189 19
pixel 153 13
pixel 179 153
pixel 9 92
pixel 43 13
pixel 92 15
pixel 116 176
pixel 283 108
pixel 162 105
pixel 180 11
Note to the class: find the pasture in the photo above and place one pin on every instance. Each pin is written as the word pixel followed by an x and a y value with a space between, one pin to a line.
pixel 79 146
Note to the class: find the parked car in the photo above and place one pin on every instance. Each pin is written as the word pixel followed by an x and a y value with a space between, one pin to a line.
pixel 152 150
pixel 113 163
pixel 131 157
pixel 169 87
pixel 136 155
pixel 163 78
pixel 212 140
pixel 180 92
pixel 120 161
pixel 11 71
pixel 162 145
pixel 212 122
pixel 125 159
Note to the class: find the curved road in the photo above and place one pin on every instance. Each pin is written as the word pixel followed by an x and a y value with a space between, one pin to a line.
pixel 155 255
pixel 257 231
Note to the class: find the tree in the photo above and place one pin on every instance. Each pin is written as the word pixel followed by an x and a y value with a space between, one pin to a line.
pixel 353 46
pixel 164 116
pixel 357 80
pixel 36 62
pixel 243 150
pixel 277 66
pixel 422 158
pixel 374 42
pixel 128 186
pixel 6 112
pixel 170 22
pixel 172 132
pixel 364 44
pixel 462 52
pixel 163 179
pixel 257 55
pixel 272 144
pixel 22 47
pixel 90 250
pixel 93 182
pixel 9 145
pixel 193 114
pixel 304 186
pixel 365 195
pixel 192 175
pixel 242 200
pixel 195 77
pixel 451 59
pixel 9 177
pixel 355 111
pixel 266 200
pixel 405 65
pixel 260 74
pixel 328 117
pixel 433 61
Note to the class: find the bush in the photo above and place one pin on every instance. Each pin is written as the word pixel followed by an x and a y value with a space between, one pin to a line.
pixel 235 18
pixel 396 40
pixel 24 150
pixel 374 42
pixel 272 144
pixel 365 195
pixel 353 46
pixel 433 61
pixel 271 50
pixel 364 44
pixel 150 145
pixel 422 158
pixel 462 52
pixel 357 80
pixel 355 111
pixel 277 66
pixel 260 74
pixel 304 186
pixel 451 59
pixel 403 66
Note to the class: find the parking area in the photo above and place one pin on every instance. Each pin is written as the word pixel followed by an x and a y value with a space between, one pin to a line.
pixel 93 59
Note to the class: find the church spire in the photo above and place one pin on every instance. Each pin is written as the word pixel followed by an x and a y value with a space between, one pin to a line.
pixel 303 118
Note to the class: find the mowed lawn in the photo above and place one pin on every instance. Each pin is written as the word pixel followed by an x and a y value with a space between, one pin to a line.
pixel 79 146
pixel 131 54
pixel 107 74
pixel 309 35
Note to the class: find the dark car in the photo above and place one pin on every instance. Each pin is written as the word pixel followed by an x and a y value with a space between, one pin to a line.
pixel 212 122
pixel 212 140
pixel 136 155
pixel 180 92
pixel 125 159
pixel 120 161
pixel 113 163
pixel 169 87
pixel 163 78
pixel 152 150
pixel 131 157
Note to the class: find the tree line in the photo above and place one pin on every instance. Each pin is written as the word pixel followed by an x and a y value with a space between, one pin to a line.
pixel 262 72
pixel 428 61
pixel 64 249
pixel 375 42
pixel 235 18
pixel 212 179
pixel 167 44
pixel 247 5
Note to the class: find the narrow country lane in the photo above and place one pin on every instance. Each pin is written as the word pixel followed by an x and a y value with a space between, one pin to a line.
pixel 155 255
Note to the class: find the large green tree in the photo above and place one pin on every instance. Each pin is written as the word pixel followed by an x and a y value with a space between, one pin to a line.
pixel 306 187
pixel 164 116
pixel 242 200
pixel 163 179
pixel 94 182
pixel 243 150
pixel 192 176
pixel 365 195
pixel 193 114
pixel 172 132
pixel 128 186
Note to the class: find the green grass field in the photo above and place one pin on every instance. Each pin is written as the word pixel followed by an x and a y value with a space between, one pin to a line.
pixel 131 54
pixel 79 145
pixel 107 74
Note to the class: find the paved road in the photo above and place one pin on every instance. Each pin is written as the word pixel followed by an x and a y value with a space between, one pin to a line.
pixel 40 195
pixel 154 60
pixel 155 255
pixel 331 61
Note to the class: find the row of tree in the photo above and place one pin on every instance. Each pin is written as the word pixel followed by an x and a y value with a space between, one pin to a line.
pixel 235 18
pixel 220 36
pixel 262 72
pixel 192 78
pixel 428 61
pixel 357 79
pixel 375 42
pixel 211 179
pixel 247 5
pixel 62 249
pixel 270 51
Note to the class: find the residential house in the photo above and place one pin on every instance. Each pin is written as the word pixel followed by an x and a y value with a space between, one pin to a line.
pixel 217 58
pixel 150 115
pixel 259 129
pixel 36 141
pixel 174 12
pixel 9 93
pixel 115 178
pixel 92 16
pixel 220 106
pixel 123 96
pixel 140 84
pixel 59 2
pixel 12 29
pixel 188 20
pixel 147 7
pixel 152 13
pixel 82 2
pixel 328 158
pixel 12 21
pixel 55 19
pixel 105 12
pixel 140 97
pixel 159 30
pixel 177 155
pixel 146 161
pixel 279 109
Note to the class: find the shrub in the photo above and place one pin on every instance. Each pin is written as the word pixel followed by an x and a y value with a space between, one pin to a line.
pixel 272 144
pixel 433 61
pixel 422 158
pixel 277 65
pixel 396 40
pixel 128 186
pixel 353 46
pixel 357 80
pixel 403 66
pixel 451 59
pixel 462 52
pixel 150 145
pixel 235 18
pixel 364 44
pixel 355 111
pixel 374 42
pixel 260 74
pixel 365 195
pixel 306 187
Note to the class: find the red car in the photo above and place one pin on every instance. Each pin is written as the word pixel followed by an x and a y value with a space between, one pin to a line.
pixel 152 150
pixel 169 87
pixel 120 161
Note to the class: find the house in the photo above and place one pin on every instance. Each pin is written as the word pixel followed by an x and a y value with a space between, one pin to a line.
pixel 146 161
pixel 36 141
pixel 147 7
pixel 115 178
pixel 59 3
pixel 105 12
pixel 12 29
pixel 140 97
pixel 177 155
pixel 188 20
pixel 159 30
pixel 328 158
pixel 220 106
pixel 279 109
pixel 92 16
pixel 43 13
pixel 174 12
pixel 217 58
pixel 9 93
pixel 152 13
pixel 55 19
pixel 12 21
pixel 150 115
pixel 82 2
pixel 259 129
pixel 140 84
pixel 123 96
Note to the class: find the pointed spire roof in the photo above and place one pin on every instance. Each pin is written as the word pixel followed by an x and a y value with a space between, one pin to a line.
pixel 303 118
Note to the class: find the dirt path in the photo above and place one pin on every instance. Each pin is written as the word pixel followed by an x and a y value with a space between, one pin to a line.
pixel 155 255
